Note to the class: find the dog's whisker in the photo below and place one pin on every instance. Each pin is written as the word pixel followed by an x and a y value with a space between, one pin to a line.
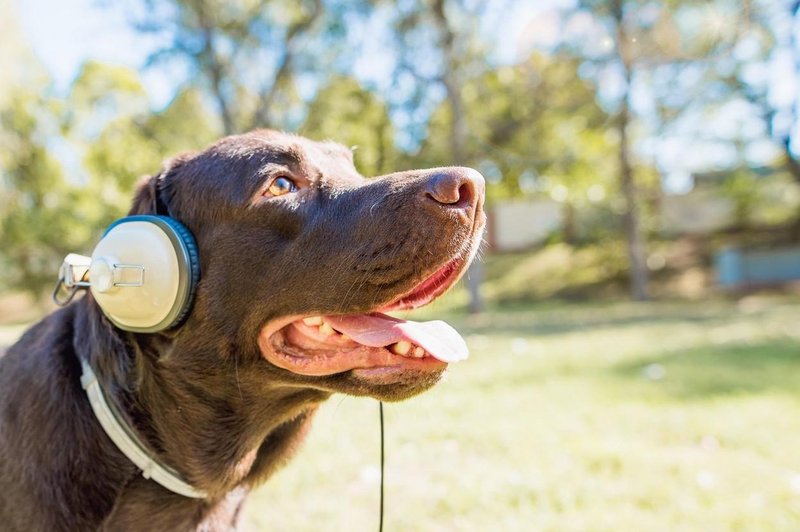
pixel 236 366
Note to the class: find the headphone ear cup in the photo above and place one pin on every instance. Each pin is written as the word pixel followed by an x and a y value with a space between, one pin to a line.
pixel 144 273
pixel 193 266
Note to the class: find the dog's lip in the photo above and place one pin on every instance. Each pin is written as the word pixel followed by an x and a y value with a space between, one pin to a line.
pixel 443 278
pixel 430 288
pixel 291 345
pixel 294 347
pixel 366 361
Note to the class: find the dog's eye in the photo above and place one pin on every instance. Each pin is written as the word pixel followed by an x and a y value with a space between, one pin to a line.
pixel 281 185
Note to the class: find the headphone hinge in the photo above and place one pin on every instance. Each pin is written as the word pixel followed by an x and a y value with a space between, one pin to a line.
pixel 71 277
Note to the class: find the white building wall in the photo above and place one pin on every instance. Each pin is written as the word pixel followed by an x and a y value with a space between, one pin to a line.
pixel 519 225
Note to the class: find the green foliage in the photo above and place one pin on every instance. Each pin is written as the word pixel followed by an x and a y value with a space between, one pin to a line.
pixel 185 124
pixel 40 218
pixel 247 55
pixel 107 91
pixel 132 146
pixel 543 126
pixel 346 112
pixel 48 209
pixel 534 128
pixel 742 188
pixel 121 139
pixel 557 271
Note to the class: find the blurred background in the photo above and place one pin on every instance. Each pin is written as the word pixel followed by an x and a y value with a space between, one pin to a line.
pixel 634 323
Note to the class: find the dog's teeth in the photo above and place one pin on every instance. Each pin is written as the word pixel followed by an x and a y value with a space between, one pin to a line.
pixel 419 352
pixel 313 321
pixel 401 348
pixel 326 330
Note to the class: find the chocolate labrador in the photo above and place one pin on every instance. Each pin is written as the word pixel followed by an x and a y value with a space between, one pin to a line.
pixel 300 259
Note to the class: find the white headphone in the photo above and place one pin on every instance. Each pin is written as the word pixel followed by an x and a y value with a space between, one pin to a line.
pixel 143 273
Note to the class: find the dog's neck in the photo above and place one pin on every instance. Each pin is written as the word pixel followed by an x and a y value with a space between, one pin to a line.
pixel 195 416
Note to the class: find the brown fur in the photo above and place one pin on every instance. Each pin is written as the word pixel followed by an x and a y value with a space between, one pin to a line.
pixel 201 395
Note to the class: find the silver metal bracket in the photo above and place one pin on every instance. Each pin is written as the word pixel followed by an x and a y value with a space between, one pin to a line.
pixel 72 276
pixel 138 267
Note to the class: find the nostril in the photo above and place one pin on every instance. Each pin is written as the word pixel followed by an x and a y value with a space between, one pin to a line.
pixel 444 189
pixel 455 187
pixel 465 194
pixel 449 189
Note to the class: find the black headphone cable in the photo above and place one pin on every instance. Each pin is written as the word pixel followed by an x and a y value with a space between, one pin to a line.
pixel 380 523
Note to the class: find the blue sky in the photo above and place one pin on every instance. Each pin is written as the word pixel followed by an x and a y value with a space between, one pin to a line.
pixel 64 33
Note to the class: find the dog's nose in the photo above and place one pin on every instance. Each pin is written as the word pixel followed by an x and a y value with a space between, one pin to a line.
pixel 456 187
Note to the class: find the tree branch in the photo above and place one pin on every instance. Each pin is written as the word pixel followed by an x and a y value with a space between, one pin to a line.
pixel 295 32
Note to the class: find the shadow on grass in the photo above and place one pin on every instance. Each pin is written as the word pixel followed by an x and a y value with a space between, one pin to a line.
pixel 713 371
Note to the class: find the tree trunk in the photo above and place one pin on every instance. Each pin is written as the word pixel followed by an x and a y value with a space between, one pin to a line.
pixel 215 72
pixel 261 117
pixel 458 134
pixel 569 223
pixel 792 164
pixel 630 218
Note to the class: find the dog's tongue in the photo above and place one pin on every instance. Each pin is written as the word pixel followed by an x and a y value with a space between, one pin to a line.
pixel 438 338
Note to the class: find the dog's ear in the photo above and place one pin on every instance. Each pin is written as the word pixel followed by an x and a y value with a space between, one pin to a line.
pixel 153 193
pixel 146 197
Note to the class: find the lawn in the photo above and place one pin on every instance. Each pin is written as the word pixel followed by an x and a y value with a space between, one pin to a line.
pixel 615 416
pixel 570 417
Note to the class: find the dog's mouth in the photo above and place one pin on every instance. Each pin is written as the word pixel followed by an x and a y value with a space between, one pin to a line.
pixel 372 344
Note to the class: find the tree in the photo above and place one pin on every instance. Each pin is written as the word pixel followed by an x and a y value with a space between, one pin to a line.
pixel 768 43
pixel 249 55
pixel 111 124
pixel 534 126
pixel 670 55
pixel 40 211
pixel 772 34
pixel 631 221
pixel 445 35
pixel 615 17
pixel 346 112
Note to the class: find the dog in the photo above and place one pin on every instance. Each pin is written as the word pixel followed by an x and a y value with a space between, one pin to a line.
pixel 300 257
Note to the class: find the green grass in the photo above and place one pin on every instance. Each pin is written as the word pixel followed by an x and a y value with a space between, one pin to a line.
pixel 615 416
pixel 570 417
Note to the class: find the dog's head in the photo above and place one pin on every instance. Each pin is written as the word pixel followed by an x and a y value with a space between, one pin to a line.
pixel 301 257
